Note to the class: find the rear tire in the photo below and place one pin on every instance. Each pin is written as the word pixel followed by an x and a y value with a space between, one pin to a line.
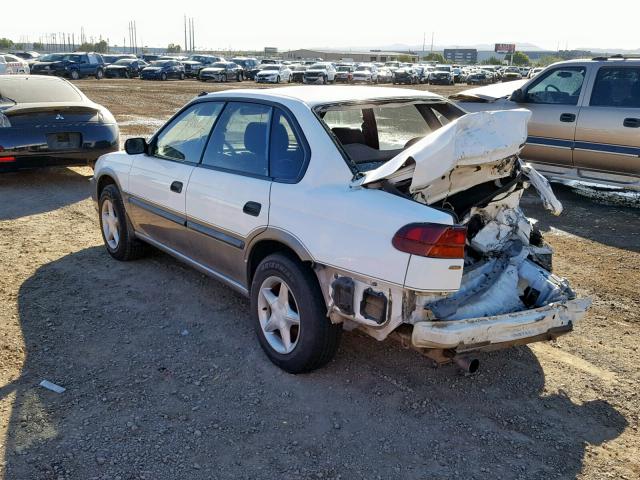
pixel 163 76
pixel 75 75
pixel 181 76
pixel 99 74
pixel 123 246
pixel 313 340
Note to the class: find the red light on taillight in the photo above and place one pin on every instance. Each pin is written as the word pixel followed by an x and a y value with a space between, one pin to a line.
pixel 7 159
pixel 431 240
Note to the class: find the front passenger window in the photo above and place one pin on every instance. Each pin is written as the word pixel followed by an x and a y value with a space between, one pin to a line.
pixel 560 86
pixel 185 137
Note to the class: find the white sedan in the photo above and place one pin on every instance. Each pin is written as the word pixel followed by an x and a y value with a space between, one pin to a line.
pixel 387 210
pixel 274 73
pixel 11 64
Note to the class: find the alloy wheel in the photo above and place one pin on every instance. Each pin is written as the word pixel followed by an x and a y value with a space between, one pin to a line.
pixel 279 315
pixel 110 225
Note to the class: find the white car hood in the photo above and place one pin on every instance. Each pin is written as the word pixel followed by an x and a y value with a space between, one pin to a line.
pixel 472 139
pixel 268 72
pixel 489 93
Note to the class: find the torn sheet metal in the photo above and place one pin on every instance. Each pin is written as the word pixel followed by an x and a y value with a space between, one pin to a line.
pixel 472 140
pixel 542 186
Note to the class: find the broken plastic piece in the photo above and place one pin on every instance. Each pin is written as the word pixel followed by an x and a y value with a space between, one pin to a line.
pixel 52 386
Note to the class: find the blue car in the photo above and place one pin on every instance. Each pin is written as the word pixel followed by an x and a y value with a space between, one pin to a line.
pixel 163 70
pixel 71 65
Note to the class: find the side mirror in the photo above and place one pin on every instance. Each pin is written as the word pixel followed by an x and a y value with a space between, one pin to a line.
pixel 518 96
pixel 136 146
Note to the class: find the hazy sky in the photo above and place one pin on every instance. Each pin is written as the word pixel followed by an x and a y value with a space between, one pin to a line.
pixel 285 24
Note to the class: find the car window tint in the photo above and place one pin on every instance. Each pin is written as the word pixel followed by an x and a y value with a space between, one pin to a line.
pixel 240 140
pixel 560 86
pixel 286 154
pixel 616 87
pixel 184 139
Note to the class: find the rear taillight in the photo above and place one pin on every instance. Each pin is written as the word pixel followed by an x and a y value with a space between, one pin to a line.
pixel 431 240
pixel 7 159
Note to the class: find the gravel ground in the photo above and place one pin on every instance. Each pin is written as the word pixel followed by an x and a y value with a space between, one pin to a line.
pixel 165 380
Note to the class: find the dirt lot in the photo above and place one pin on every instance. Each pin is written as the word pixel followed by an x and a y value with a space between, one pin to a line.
pixel 165 379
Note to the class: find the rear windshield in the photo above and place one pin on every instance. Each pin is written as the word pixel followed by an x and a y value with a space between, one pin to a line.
pixel 34 89
pixel 373 134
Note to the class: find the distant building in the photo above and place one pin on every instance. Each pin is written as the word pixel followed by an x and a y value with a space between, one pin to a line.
pixel 461 55
pixel 351 56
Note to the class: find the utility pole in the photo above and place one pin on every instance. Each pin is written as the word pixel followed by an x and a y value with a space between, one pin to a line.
pixel 193 35
pixel 432 33
pixel 424 39
pixel 186 46
pixel 135 36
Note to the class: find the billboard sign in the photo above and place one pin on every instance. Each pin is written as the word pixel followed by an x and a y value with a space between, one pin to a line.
pixel 505 48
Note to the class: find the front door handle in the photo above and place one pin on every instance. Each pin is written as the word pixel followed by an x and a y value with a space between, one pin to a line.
pixel 568 117
pixel 631 122
pixel 176 186
pixel 252 208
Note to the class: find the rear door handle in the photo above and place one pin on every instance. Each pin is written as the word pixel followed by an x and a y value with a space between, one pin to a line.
pixel 568 117
pixel 252 208
pixel 631 122
pixel 176 186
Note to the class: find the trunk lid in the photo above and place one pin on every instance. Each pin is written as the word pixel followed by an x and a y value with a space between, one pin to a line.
pixel 38 114
pixel 473 149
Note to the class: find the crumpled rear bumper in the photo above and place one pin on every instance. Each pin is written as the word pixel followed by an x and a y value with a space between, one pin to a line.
pixel 527 326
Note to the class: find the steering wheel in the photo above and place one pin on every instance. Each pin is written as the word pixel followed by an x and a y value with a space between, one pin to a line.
pixel 550 87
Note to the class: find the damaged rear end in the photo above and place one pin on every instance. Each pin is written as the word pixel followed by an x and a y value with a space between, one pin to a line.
pixel 506 293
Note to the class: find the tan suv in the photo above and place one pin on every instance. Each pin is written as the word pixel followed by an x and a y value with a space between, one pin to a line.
pixel 585 122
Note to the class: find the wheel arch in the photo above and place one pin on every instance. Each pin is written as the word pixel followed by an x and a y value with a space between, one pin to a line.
pixel 273 241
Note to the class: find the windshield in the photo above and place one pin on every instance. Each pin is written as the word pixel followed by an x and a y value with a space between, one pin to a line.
pixel 318 66
pixel 52 57
pixel 271 67
pixel 35 89
pixel 197 58
pixel 219 65
pixel 363 68
pixel 443 68
pixel 124 61
pixel 344 69
pixel 372 134
pixel 161 63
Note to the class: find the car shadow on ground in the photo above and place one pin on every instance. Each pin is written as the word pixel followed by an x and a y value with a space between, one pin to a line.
pixel 165 379
pixel 596 214
pixel 29 192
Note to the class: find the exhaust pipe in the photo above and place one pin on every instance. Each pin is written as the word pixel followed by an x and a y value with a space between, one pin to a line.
pixel 468 365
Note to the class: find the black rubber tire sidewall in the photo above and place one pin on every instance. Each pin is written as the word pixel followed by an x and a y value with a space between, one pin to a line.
pixel 129 247
pixel 75 75
pixel 319 338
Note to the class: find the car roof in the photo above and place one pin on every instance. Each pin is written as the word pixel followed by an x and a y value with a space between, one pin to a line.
pixel 312 95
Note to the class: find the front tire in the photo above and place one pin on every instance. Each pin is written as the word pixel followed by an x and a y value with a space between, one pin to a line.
pixel 117 232
pixel 163 76
pixel 75 75
pixel 99 74
pixel 181 76
pixel 290 316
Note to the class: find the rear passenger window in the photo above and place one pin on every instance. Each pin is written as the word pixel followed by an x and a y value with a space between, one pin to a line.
pixel 286 155
pixel 240 139
pixel 616 87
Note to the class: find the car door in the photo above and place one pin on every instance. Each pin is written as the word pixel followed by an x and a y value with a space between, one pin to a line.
pixel 158 180
pixel 608 131
pixel 228 194
pixel 85 67
pixel 554 100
